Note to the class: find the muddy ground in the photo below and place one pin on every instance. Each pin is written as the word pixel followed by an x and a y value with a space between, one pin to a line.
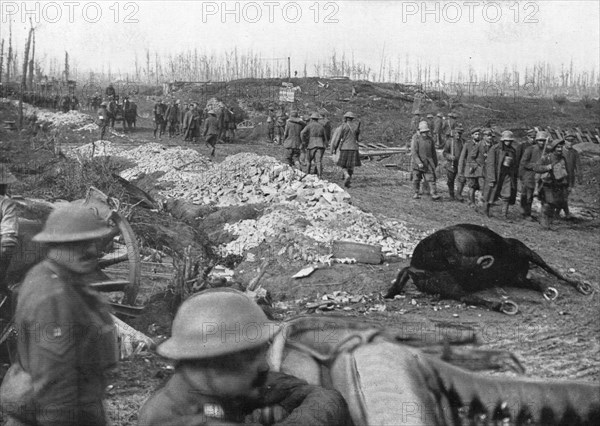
pixel 553 340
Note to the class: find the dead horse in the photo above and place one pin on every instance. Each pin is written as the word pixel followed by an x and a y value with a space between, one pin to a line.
pixel 459 260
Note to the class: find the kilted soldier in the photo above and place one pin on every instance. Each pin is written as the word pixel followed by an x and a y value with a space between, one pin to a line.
pixel 313 136
pixel 452 149
pixel 211 131
pixel 346 141
pixel 501 174
pixel 553 182
pixel 423 160
pixel 292 142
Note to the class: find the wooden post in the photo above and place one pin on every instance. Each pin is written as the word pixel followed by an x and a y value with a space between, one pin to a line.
pixel 289 70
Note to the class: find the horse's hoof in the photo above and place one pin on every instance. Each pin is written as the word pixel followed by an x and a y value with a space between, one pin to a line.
pixel 509 308
pixel 585 288
pixel 550 293
pixel 485 261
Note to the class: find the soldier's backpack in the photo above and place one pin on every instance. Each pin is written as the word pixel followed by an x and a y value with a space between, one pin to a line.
pixel 386 379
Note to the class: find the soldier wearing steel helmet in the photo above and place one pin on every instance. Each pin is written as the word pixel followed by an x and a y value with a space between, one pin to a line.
pixel 9 226
pixel 451 152
pixel 574 169
pixel 553 181
pixel 211 131
pixel 345 140
pixel 314 138
pixel 220 339
pixel 424 161
pixel 414 122
pixel 292 142
pixel 67 338
pixel 501 174
pixel 531 157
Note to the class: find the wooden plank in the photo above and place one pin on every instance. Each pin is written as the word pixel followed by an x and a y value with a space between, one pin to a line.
pixel 370 145
pixel 374 153
pixel 589 135
pixel 363 253
pixel 362 145
pixel 578 134
pixel 380 145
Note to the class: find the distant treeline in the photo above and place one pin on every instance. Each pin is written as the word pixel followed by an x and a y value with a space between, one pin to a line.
pixel 539 79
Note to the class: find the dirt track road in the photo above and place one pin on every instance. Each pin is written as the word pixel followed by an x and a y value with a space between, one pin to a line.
pixel 559 339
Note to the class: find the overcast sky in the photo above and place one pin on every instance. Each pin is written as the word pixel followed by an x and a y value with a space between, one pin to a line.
pixel 451 34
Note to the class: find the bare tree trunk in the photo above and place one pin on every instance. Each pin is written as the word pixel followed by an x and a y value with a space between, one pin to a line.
pixel 24 77
pixel 10 51
pixel 1 58
pixel 30 82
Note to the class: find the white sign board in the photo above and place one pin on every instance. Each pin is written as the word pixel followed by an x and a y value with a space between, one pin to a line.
pixel 287 95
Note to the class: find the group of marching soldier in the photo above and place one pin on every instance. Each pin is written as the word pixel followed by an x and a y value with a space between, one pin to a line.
pixel 305 140
pixel 190 121
pixel 546 168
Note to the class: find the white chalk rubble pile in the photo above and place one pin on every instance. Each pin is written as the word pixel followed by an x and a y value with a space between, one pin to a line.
pixel 321 223
pixel 248 178
pixel 303 210
pixel 154 157
pixel 57 119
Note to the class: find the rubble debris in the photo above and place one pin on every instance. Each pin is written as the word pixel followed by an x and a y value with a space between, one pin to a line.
pixel 309 212
pixel 72 118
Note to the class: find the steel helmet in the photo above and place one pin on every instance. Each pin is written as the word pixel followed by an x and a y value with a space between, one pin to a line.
pixel 555 143
pixel 429 115
pixel 349 114
pixel 294 114
pixel 570 135
pixel 507 135
pixel 542 136
pixel 216 322
pixel 531 132
pixel 423 126
pixel 211 112
pixel 315 115
pixel 6 176
pixel 72 223
pixel 459 128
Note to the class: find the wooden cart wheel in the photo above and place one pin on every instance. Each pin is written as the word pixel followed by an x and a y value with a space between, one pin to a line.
pixel 131 255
